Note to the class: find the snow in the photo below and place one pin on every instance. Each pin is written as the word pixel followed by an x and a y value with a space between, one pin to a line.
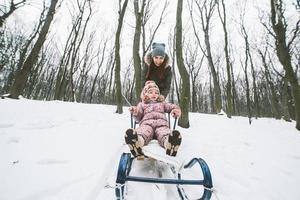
pixel 61 150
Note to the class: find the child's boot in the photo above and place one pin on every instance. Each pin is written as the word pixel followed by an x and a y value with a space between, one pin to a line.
pixel 134 143
pixel 172 143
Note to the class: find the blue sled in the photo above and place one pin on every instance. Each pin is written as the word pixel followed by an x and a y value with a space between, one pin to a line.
pixel 124 176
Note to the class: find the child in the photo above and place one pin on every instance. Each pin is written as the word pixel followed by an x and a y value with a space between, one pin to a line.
pixel 153 124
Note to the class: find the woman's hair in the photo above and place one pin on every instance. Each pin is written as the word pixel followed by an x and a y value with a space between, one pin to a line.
pixel 161 69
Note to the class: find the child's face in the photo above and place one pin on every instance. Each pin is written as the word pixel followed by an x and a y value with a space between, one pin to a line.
pixel 152 94
pixel 158 60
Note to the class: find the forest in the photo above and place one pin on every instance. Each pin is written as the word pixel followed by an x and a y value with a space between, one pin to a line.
pixel 235 57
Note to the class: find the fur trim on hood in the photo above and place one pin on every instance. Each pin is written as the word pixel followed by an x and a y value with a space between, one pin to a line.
pixel 148 59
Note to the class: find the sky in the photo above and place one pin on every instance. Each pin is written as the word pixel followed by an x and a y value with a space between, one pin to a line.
pixel 54 150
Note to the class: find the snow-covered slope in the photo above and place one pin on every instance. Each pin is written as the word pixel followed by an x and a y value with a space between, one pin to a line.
pixel 59 150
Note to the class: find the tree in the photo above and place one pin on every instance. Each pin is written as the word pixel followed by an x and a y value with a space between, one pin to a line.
pixel 146 45
pixel 69 62
pixel 185 89
pixel 99 63
pixel 274 98
pixel 118 91
pixel 22 75
pixel 229 109
pixel 283 49
pixel 194 67
pixel 206 10
pixel 255 93
pixel 139 13
pixel 245 68
pixel 11 8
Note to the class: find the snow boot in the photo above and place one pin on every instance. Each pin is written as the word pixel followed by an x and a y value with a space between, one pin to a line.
pixel 173 143
pixel 131 139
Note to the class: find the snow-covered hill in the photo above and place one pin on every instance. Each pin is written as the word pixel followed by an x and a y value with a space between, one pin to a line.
pixel 69 151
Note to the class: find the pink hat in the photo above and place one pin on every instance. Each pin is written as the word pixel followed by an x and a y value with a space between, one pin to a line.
pixel 150 85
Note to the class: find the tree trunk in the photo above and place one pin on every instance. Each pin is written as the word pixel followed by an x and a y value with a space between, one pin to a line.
pixel 211 97
pixel 255 94
pixel 274 99
pixel 234 93
pixel 100 63
pixel 246 74
pixel 136 46
pixel 286 114
pixel 283 52
pixel 206 11
pixel 229 109
pixel 22 76
pixel 118 59
pixel 185 89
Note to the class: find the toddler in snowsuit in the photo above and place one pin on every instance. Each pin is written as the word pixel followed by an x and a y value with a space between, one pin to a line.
pixel 153 124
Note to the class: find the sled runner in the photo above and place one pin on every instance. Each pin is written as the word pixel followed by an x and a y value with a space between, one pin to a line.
pixel 176 166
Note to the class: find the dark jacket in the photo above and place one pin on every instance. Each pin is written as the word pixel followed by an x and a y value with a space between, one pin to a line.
pixel 161 75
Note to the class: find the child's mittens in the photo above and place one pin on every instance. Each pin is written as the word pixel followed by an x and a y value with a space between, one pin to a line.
pixel 176 112
pixel 133 110
pixel 160 98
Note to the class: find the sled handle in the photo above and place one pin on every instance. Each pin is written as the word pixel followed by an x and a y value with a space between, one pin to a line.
pixel 169 120
pixel 132 121
pixel 175 122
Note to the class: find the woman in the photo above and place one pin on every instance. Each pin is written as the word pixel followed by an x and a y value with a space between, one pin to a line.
pixel 157 68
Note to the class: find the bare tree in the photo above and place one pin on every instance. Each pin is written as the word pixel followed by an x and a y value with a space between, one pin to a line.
pixel 99 63
pixel 191 56
pixel 222 15
pixel 118 92
pixel 185 89
pixel 206 10
pixel 274 98
pixel 80 33
pixel 139 13
pixel 147 38
pixel 245 68
pixel 255 92
pixel 285 106
pixel 283 48
pixel 85 67
pixel 13 6
pixel 153 29
pixel 16 51
pixel 22 75
pixel 69 62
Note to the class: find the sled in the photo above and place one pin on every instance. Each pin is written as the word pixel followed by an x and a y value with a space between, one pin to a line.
pixel 177 166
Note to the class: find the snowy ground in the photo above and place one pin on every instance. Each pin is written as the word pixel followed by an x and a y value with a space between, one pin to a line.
pixel 70 151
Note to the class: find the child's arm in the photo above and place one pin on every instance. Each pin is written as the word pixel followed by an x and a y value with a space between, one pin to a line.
pixel 173 109
pixel 137 112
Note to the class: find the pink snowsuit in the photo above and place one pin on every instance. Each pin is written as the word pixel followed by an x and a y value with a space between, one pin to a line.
pixel 153 123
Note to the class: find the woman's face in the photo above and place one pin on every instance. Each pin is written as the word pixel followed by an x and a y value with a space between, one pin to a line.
pixel 158 60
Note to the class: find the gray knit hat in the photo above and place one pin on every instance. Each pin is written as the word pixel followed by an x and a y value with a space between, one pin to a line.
pixel 158 49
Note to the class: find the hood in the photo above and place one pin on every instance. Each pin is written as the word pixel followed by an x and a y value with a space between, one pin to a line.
pixel 148 59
